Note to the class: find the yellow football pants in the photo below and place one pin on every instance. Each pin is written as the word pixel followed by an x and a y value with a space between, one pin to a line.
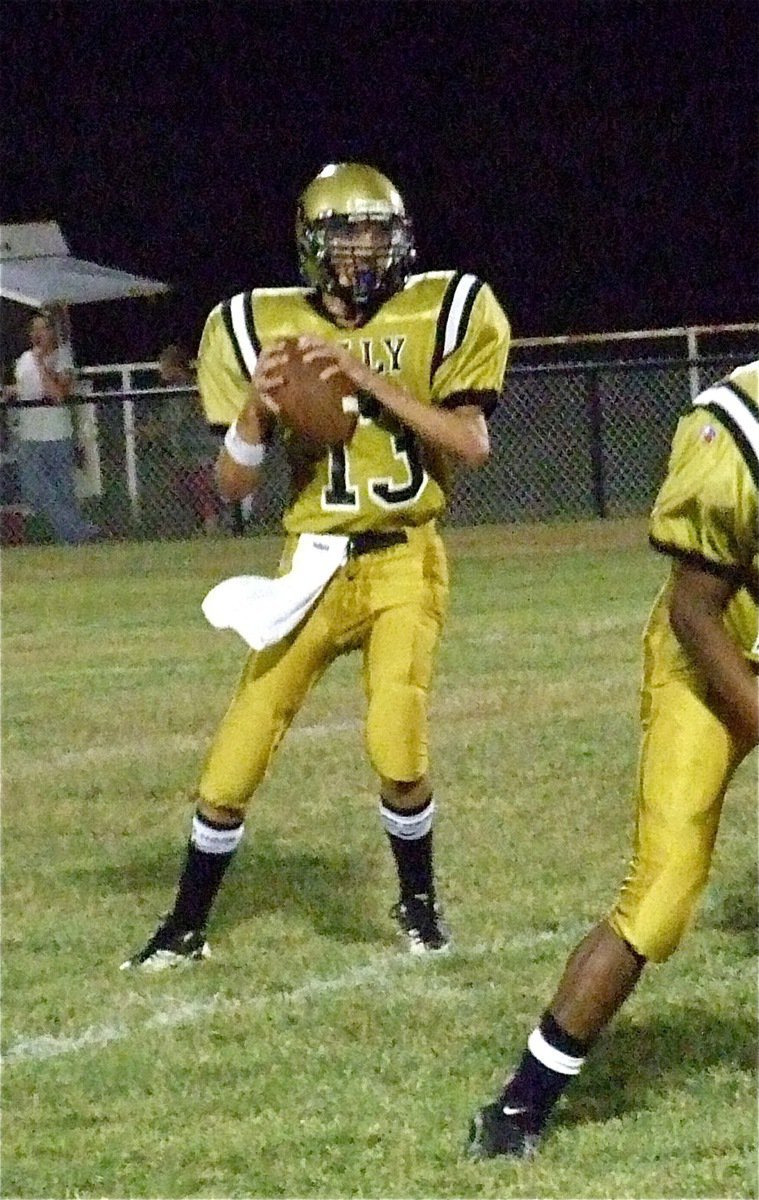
pixel 687 759
pixel 389 603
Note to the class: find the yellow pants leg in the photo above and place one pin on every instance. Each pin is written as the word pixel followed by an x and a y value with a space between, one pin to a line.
pixel 398 665
pixel 272 688
pixel 687 759
pixel 399 655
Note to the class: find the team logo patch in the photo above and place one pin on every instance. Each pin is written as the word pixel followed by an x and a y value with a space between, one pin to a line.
pixel 708 433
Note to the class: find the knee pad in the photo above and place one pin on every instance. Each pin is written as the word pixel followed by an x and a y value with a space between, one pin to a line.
pixel 653 919
pixel 396 732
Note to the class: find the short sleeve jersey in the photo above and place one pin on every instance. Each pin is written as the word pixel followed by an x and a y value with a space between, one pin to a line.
pixel 444 337
pixel 706 511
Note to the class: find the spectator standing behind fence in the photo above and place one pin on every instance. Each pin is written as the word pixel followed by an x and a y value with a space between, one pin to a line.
pixel 44 432
pixel 180 454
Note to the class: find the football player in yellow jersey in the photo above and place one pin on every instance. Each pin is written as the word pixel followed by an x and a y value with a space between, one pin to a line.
pixel 700 718
pixel 427 354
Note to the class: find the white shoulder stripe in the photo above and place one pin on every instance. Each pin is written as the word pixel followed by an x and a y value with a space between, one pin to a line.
pixel 245 345
pixel 740 413
pixel 463 288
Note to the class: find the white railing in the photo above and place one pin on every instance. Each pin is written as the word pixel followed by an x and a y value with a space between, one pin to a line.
pixel 692 335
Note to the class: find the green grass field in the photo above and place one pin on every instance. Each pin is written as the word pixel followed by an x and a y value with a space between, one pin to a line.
pixel 310 1057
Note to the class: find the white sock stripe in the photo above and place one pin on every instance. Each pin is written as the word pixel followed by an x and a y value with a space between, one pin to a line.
pixel 555 1060
pixel 215 841
pixel 409 826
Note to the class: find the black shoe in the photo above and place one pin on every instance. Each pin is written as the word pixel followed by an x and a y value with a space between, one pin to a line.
pixel 170 947
pixel 420 920
pixel 499 1129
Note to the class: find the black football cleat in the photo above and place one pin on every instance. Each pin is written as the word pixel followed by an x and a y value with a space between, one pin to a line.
pixel 498 1129
pixel 420 922
pixel 169 947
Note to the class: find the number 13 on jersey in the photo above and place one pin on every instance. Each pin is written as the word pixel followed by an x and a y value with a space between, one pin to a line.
pixel 387 492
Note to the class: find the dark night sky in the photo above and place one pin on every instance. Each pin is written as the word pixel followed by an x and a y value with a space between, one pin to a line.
pixel 595 161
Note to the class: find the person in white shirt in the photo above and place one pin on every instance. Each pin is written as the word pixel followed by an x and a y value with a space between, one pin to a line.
pixel 45 432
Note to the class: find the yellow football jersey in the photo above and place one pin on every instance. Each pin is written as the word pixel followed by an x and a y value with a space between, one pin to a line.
pixel 707 508
pixel 443 334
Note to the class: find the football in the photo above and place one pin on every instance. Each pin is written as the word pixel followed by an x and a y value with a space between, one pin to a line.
pixel 320 411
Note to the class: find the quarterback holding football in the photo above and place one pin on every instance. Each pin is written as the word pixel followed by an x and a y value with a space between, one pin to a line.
pixel 415 364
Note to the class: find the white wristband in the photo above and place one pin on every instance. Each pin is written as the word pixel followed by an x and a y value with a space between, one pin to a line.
pixel 245 454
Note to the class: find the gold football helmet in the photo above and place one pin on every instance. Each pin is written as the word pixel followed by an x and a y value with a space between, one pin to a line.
pixel 354 238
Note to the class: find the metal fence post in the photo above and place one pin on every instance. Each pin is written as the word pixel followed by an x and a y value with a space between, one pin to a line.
pixel 695 380
pixel 595 421
pixel 130 449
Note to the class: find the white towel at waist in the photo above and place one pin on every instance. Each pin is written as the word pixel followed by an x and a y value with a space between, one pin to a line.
pixel 263 610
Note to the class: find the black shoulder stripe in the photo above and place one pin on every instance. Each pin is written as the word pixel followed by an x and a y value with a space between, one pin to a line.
pixel 238 319
pixel 467 312
pixel 748 452
pixel 226 312
pixel 442 321
pixel 734 574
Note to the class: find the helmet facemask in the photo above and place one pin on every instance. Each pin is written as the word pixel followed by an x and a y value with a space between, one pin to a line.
pixel 362 259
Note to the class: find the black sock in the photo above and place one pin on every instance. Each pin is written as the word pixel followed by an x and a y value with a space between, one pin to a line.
pixel 203 871
pixel 413 856
pixel 537 1085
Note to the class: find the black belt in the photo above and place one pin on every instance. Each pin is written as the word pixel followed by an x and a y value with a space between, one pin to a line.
pixel 373 539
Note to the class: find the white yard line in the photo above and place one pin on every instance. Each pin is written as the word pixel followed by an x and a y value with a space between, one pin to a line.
pixel 176 1011
pixel 136 749
pixel 30 768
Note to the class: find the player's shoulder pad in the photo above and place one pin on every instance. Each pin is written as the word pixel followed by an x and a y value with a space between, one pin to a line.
pixel 448 297
pixel 463 292
pixel 239 318
pixel 735 404
pixel 421 293
pixel 232 321
pixel 426 288
pixel 746 377
pixel 422 277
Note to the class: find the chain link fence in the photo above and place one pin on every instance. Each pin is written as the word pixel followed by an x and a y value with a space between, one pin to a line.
pixel 569 440
pixel 579 441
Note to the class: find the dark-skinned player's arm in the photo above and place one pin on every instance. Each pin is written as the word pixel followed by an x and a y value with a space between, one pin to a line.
pixel 462 431
pixel 253 428
pixel 699 599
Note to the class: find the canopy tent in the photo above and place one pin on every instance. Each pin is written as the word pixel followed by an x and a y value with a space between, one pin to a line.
pixel 38 269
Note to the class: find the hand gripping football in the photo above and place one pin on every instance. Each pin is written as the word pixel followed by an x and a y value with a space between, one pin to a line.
pixel 320 411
